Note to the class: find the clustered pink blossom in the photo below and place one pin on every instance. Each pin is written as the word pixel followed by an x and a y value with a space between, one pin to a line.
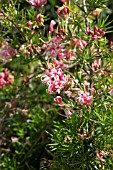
pixel 78 43
pixel 40 20
pixel 54 48
pixel 100 155
pixel 5 78
pixel 14 139
pixel 37 2
pixel 84 97
pixel 55 78
pixel 63 11
pixel 83 135
pixel 97 33
pixel 68 112
pixel 58 100
pixel 29 49
pixel 7 52
pixel 57 54
pixel 97 64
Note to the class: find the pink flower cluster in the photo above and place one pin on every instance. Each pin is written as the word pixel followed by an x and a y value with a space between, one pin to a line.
pixel 14 139
pixel 97 64
pixel 54 77
pixel 6 52
pixel 64 1
pixel 30 49
pixel 83 135
pixel 84 97
pixel 5 78
pixel 57 54
pixel 54 48
pixel 37 2
pixel 100 155
pixel 80 44
pixel 68 112
pixel 63 11
pixel 97 33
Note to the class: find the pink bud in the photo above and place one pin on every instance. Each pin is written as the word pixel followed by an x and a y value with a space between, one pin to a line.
pixel 52 23
pixel 89 32
pixel 29 24
pixel 63 11
pixel 14 139
pixel 95 29
pixel 40 19
pixel 2 75
pixel 37 2
pixel 58 99
pixel 68 112
pixel 102 32
pixel 94 37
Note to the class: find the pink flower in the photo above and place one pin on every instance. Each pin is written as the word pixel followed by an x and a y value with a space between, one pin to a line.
pixel 37 2
pixel 40 19
pixel 6 52
pixel 89 32
pixel 64 1
pixel 63 11
pixel 14 139
pixel 54 77
pixel 52 23
pixel 111 92
pixel 100 155
pixel 58 99
pixel 80 44
pixel 29 23
pixel 68 112
pixel 5 78
pixel 53 48
pixel 97 64
pixel 84 97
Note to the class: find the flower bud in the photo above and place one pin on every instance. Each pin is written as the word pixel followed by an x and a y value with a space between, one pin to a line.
pixel 37 2
pixel 40 19
pixel 58 99
pixel 52 23
pixel 29 24
pixel 63 11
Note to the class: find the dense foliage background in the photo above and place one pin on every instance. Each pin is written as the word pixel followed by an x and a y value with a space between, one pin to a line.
pixel 46 123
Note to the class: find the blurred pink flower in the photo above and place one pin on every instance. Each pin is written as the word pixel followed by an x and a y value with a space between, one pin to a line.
pixel 29 23
pixel 37 2
pixel 52 23
pixel 84 97
pixel 97 64
pixel 63 11
pixel 68 112
pixel 7 52
pixel 55 79
pixel 40 19
pixel 80 44
pixel 58 99
pixel 14 139
pixel 64 1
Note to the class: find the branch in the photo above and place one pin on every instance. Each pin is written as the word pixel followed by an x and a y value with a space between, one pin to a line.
pixel 85 16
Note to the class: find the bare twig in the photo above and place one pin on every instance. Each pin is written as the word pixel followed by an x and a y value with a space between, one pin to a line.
pixel 85 16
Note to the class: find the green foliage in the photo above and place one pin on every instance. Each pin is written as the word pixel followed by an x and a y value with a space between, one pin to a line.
pixel 36 134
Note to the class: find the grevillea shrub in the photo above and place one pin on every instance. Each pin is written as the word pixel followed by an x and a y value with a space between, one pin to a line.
pixel 56 85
